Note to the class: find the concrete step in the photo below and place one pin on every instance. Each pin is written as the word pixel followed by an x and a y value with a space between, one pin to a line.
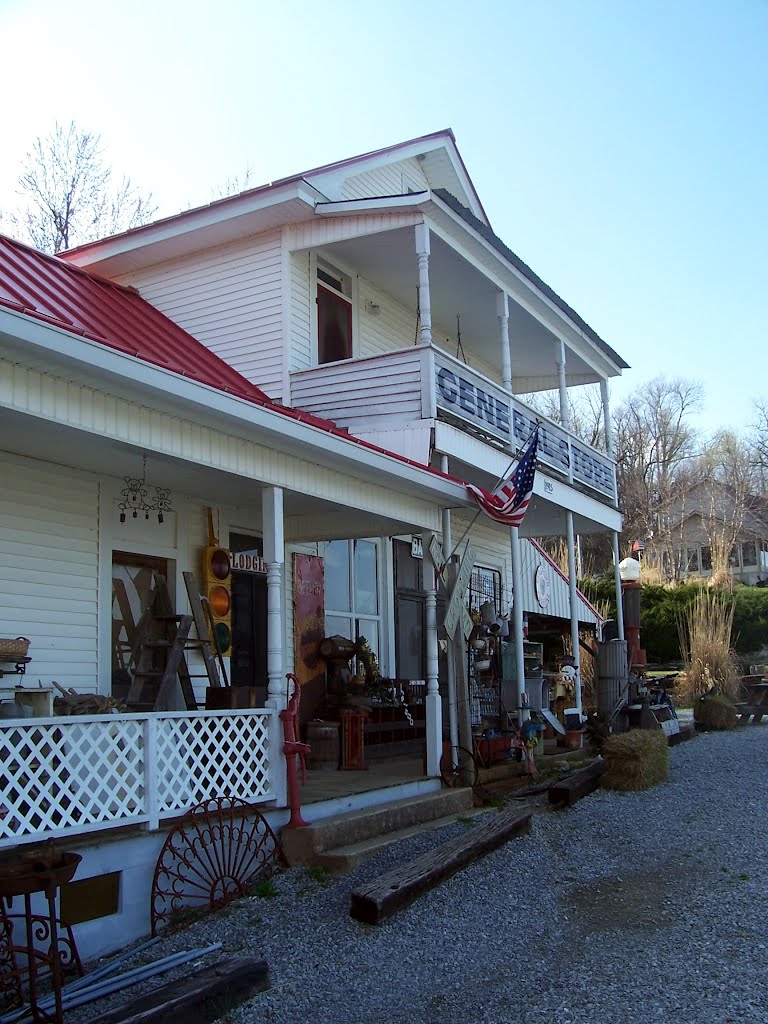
pixel 303 845
pixel 342 859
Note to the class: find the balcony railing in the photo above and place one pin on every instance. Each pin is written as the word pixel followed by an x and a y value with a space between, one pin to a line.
pixel 70 775
pixel 420 383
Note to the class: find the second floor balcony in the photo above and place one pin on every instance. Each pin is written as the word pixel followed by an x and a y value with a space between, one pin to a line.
pixel 422 400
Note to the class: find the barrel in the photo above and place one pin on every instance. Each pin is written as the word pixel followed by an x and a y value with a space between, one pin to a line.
pixel 323 740
pixel 611 670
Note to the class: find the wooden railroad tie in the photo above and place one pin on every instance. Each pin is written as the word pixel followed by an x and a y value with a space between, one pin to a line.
pixel 567 791
pixel 200 998
pixel 396 889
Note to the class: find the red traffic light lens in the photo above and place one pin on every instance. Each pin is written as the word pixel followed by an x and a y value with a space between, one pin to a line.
pixel 220 601
pixel 219 563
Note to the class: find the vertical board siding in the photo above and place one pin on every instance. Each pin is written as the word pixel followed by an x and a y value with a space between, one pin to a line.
pixel 389 180
pixel 229 298
pixel 48 569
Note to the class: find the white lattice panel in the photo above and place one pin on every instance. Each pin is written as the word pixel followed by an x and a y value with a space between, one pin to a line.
pixel 71 774
pixel 220 754
pixel 64 776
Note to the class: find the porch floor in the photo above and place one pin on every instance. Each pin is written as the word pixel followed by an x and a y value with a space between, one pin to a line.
pixel 325 784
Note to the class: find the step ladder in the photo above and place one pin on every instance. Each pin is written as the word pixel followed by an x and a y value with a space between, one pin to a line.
pixel 161 673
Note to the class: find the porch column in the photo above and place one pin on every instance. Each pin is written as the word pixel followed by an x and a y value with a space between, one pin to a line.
pixel 453 717
pixel 517 616
pixel 425 308
pixel 617 584
pixel 502 312
pixel 609 446
pixel 565 410
pixel 434 711
pixel 573 599
pixel 277 697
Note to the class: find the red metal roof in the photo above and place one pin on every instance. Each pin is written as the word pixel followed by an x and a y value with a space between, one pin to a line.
pixel 81 302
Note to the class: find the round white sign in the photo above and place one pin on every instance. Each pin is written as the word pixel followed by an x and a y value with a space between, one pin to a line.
pixel 541 585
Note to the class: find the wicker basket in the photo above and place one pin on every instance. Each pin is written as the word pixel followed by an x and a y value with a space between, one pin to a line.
pixel 14 648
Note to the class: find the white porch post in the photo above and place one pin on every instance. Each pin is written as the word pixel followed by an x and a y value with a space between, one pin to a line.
pixel 502 312
pixel 453 717
pixel 608 427
pixel 434 711
pixel 425 307
pixel 517 615
pixel 573 597
pixel 277 697
pixel 565 411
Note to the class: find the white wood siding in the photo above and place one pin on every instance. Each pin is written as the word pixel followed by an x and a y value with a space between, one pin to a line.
pixel 389 180
pixel 48 570
pixel 300 312
pixel 230 298
pixel 359 393
pixel 385 325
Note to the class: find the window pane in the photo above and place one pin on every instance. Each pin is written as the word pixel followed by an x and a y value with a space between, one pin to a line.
pixel 692 560
pixel 370 630
pixel 338 625
pixel 336 559
pixel 748 553
pixel 334 327
pixel 706 558
pixel 733 558
pixel 366 578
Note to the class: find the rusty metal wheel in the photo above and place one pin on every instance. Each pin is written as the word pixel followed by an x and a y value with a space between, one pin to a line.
pixel 460 770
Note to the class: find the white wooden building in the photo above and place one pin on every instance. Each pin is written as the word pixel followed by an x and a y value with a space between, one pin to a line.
pixel 321 362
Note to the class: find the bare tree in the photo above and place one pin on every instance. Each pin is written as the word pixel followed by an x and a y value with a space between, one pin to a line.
pixel 654 445
pixel 70 194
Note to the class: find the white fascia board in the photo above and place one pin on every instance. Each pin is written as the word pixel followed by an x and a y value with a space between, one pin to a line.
pixel 378 204
pixel 566 496
pixel 558 321
pixel 93 364
pixel 189 222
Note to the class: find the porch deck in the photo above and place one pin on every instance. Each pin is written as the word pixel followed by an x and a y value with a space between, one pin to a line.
pixel 328 784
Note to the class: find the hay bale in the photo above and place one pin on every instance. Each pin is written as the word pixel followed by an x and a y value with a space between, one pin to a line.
pixel 636 760
pixel 714 711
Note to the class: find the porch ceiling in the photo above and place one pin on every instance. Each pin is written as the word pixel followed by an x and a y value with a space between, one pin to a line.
pixel 307 518
pixel 388 260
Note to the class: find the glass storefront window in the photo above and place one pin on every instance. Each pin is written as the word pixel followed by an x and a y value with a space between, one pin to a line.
pixel 336 560
pixel 366 578
pixel 352 580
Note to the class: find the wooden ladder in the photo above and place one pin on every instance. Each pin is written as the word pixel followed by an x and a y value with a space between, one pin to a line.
pixel 161 653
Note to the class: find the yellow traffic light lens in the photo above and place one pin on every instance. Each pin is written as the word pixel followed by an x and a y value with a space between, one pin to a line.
pixel 220 601
pixel 219 563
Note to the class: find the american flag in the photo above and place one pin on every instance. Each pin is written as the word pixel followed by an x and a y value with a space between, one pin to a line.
pixel 509 502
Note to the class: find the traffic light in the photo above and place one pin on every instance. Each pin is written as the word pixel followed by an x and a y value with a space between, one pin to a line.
pixel 217 582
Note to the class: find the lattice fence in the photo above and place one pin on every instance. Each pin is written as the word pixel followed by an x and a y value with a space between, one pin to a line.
pixel 63 776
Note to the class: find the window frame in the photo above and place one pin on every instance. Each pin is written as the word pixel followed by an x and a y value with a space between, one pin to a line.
pixel 323 274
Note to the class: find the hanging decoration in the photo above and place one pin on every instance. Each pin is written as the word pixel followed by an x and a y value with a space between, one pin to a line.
pixel 135 497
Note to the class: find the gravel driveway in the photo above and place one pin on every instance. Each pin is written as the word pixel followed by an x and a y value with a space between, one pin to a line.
pixel 626 908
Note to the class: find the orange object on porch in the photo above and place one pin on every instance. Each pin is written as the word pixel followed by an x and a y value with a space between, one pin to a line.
pixel 352 735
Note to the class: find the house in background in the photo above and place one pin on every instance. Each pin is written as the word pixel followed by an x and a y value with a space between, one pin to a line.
pixel 712 527
pixel 312 369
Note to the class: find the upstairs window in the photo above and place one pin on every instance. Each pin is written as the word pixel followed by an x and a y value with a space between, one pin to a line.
pixel 334 315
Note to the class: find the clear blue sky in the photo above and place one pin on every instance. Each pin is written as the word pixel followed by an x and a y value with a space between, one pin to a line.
pixel 620 148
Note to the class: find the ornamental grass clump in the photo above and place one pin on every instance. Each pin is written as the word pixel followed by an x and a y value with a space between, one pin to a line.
pixel 636 760
pixel 705 629
pixel 714 711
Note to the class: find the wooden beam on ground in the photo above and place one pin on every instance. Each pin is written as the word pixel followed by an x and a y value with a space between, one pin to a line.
pixel 567 791
pixel 203 997
pixel 687 732
pixel 399 888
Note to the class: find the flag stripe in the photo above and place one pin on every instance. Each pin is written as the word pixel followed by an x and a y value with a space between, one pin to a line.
pixel 509 502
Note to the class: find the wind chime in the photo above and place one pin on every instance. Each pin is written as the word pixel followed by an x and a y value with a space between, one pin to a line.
pixel 135 497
